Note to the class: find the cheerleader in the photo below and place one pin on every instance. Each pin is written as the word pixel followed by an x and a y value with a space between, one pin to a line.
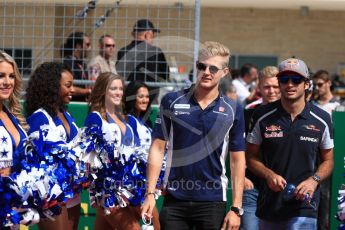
pixel 12 134
pixel 106 111
pixel 50 88
pixel 137 107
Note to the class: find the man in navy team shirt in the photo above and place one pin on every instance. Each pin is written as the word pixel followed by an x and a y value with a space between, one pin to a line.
pixel 285 142
pixel 202 126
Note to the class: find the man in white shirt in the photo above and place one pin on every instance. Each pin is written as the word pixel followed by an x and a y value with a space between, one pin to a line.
pixel 326 101
pixel 322 84
pixel 245 85
pixel 103 62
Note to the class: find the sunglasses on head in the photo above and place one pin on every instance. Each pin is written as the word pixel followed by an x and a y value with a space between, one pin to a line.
pixel 109 45
pixel 202 67
pixel 294 79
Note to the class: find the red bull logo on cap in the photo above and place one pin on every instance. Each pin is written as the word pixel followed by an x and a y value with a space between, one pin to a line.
pixel 292 64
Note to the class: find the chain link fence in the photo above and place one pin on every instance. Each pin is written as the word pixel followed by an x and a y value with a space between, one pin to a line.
pixel 35 31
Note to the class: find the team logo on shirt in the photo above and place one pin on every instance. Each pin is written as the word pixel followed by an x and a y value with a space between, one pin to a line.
pixel 310 139
pixel 311 127
pixel 181 112
pixel 273 128
pixel 273 131
pixel 181 106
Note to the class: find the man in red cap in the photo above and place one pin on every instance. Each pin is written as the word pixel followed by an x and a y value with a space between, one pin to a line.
pixel 285 142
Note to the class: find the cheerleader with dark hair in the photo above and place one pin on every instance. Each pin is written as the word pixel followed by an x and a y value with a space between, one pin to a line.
pixel 137 105
pixel 49 90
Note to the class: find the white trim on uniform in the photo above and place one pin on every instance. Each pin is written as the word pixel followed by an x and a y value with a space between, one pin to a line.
pixel 169 158
pixel 225 149
pixel 327 141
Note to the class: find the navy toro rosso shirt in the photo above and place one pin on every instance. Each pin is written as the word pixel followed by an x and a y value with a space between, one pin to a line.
pixel 291 149
pixel 198 143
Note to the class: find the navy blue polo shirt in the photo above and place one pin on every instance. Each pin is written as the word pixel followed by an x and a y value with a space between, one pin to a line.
pixel 291 149
pixel 198 143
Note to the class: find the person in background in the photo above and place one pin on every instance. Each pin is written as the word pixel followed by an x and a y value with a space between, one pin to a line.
pixel 202 126
pixel 235 73
pixel 326 101
pixel 227 88
pixel 322 87
pixel 246 84
pixel 103 62
pixel 270 92
pixel 73 53
pixel 12 123
pixel 268 88
pixel 290 146
pixel 50 89
pixel 141 60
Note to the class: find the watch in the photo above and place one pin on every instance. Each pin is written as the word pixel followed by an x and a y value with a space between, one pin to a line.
pixel 316 178
pixel 239 211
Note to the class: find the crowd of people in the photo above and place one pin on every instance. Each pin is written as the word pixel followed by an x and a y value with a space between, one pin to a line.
pixel 279 140
pixel 140 60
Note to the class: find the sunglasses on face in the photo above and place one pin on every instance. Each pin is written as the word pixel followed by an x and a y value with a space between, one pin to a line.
pixel 110 45
pixel 319 85
pixel 294 79
pixel 202 67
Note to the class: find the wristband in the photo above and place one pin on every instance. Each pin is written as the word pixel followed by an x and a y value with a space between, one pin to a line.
pixel 316 178
pixel 149 193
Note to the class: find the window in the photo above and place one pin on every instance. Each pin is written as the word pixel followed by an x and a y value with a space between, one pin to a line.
pixel 237 61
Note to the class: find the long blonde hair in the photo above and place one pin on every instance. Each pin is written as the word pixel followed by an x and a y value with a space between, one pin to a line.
pixel 13 101
pixel 97 97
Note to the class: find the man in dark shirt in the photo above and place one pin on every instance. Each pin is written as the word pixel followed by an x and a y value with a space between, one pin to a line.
pixel 74 52
pixel 286 138
pixel 140 60
pixel 202 127
pixel 270 92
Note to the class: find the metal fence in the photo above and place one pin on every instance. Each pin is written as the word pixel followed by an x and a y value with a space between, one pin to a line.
pixel 34 31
